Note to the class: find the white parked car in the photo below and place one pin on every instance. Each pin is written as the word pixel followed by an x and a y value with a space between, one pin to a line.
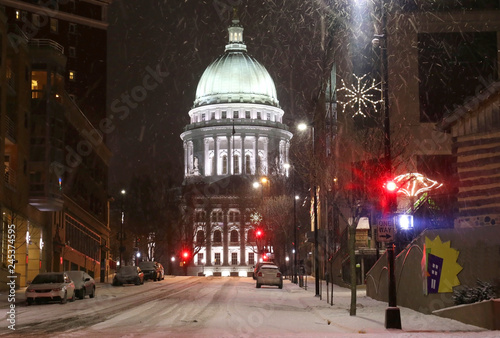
pixel 51 286
pixel 269 275
pixel 84 283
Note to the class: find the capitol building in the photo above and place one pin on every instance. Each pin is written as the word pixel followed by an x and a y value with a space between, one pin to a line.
pixel 235 137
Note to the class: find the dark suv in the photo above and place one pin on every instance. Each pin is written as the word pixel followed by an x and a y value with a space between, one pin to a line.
pixel 152 270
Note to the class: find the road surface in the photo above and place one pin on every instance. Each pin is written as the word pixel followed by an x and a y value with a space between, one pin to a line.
pixel 220 307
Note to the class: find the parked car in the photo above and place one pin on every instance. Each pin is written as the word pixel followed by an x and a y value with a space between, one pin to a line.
pixel 51 286
pixel 152 270
pixel 84 283
pixel 258 266
pixel 269 275
pixel 128 275
pixel 161 271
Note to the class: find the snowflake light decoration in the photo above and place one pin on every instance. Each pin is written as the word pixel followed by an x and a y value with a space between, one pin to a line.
pixel 361 95
pixel 255 218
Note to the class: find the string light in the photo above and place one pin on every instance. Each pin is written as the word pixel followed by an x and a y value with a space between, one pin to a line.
pixel 413 184
pixel 360 96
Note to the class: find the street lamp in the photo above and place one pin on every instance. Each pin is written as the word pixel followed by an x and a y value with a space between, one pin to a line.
pixel 287 166
pixel 122 248
pixel 260 184
pixel 303 127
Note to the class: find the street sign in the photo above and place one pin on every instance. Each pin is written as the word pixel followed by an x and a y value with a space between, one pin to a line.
pixel 385 231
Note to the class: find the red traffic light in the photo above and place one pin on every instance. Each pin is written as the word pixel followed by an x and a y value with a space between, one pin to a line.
pixel 390 186
pixel 185 254
pixel 259 233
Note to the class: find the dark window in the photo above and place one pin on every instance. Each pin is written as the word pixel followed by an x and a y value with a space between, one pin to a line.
pixel 217 258
pixel 452 67
pixel 217 236
pixel 200 237
pixel 234 236
pixel 234 258
pixel 251 258
pixel 251 235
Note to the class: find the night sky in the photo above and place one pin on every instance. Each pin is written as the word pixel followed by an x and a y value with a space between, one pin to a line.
pixel 180 39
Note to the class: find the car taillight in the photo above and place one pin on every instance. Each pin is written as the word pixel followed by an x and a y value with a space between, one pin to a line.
pixel 278 274
pixel 259 274
pixel 31 290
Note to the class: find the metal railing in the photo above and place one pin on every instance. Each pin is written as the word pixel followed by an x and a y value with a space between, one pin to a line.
pixel 46 43
pixel 10 176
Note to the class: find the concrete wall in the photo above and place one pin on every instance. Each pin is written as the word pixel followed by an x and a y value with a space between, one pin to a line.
pixel 479 256
pixel 483 314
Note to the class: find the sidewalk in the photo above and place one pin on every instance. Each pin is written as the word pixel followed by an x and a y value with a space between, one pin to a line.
pixel 370 315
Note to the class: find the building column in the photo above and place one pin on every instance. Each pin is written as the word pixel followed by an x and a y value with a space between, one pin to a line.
pixel 208 237
pixel 207 164
pixel 216 154
pixel 243 257
pixel 225 237
pixel 255 154
pixel 230 159
pixel 243 170
pixel 265 163
pixel 185 159
pixel 190 157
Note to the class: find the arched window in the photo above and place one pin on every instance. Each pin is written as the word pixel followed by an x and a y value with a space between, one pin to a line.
pixel 251 235
pixel 233 238
pixel 224 164
pixel 213 166
pixel 217 236
pixel 248 165
pixel 200 237
pixel 236 160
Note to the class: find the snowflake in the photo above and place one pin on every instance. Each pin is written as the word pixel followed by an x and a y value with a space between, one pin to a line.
pixel 360 96
pixel 255 217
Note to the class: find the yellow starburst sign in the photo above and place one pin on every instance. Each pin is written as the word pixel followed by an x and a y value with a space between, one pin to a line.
pixel 441 267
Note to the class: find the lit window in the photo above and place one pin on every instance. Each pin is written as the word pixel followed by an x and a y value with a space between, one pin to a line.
pixel 18 14
pixel 36 20
pixel 71 75
pixel 54 25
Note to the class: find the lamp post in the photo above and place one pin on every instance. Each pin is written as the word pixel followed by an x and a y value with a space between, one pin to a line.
pixel 392 314
pixel 302 127
pixel 122 249
pixel 294 249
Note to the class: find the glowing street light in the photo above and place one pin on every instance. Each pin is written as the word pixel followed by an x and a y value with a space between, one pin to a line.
pixel 303 127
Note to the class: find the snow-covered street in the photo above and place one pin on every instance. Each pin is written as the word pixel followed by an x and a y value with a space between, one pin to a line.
pixel 222 307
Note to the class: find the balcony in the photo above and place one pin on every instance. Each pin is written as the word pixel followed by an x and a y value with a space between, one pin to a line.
pixel 10 132
pixel 10 177
pixel 11 81
pixel 236 122
pixel 46 197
